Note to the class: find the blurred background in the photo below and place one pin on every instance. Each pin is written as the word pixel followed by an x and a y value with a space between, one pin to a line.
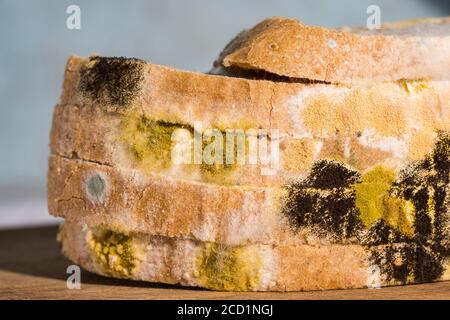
pixel 35 43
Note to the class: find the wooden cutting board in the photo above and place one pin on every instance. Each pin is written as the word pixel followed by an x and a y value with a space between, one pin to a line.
pixel 31 267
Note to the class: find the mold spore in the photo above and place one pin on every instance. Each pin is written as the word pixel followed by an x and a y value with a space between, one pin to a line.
pixel 328 174
pixel 214 147
pixel 96 187
pixel 115 80
pixel 403 220
pixel 229 268
pixel 114 252
pixel 426 185
pixel 150 143
pixel 375 200
pixel 324 202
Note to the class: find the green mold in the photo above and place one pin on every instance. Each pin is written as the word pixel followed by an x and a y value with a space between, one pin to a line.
pixel 375 201
pixel 96 186
pixel 114 252
pixel 150 144
pixel 229 268
pixel 218 171
pixel 149 141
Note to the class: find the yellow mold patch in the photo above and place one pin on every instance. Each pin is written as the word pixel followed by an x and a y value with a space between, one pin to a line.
pixel 374 201
pixel 347 112
pixel 229 268
pixel 413 86
pixel 114 252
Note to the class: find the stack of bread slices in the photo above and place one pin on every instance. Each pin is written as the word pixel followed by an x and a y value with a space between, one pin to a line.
pixel 339 171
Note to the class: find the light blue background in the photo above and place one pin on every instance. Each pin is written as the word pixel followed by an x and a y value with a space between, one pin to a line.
pixel 35 43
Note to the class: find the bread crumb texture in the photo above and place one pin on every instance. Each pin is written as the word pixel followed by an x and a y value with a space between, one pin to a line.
pixel 406 212
pixel 114 252
pixel 228 268
pixel 114 81
pixel 344 115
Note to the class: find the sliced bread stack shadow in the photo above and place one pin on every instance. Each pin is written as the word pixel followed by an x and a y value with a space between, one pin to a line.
pixel 355 193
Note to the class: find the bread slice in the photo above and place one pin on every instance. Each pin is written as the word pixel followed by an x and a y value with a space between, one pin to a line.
pixel 219 267
pixel 183 97
pixel 286 47
pixel 313 121
pixel 128 200
pixel 254 267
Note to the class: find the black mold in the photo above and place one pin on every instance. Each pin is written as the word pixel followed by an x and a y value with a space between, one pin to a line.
pixel 324 203
pixel 331 174
pixel 422 183
pixel 391 251
pixel 395 261
pixel 441 155
pixel 428 265
pixel 381 233
pixel 113 81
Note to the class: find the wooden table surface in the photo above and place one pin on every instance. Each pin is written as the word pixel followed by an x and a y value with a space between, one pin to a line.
pixel 31 267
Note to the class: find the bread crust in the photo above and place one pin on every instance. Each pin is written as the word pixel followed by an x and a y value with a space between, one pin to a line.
pixel 286 47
